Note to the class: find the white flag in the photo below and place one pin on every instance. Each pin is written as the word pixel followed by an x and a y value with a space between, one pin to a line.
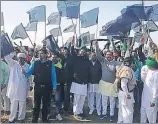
pixel 70 28
pixel 92 36
pixel 56 32
pixel 54 19
pixel 19 32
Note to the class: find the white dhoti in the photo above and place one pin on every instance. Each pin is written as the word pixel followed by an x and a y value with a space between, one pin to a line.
pixel 92 94
pixel 6 100
pixel 148 113
pixel 80 93
pixel 125 114
pixel 14 107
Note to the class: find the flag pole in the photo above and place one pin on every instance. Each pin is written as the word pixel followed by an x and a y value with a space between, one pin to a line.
pixel 79 25
pixel 97 31
pixel 61 33
pixel 74 27
pixel 27 35
pixel 44 43
pixel 35 37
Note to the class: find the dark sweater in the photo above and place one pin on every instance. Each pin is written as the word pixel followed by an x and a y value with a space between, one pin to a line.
pixel 96 72
pixel 81 69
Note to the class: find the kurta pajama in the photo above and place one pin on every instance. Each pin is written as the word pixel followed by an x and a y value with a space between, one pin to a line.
pixel 17 89
pixel 92 94
pixel 149 95
pixel 80 93
pixel 125 114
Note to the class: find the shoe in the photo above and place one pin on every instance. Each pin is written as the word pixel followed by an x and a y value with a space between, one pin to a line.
pixel 11 121
pixel 111 118
pixel 77 117
pixel 91 112
pixel 99 113
pixel 103 116
pixel 58 117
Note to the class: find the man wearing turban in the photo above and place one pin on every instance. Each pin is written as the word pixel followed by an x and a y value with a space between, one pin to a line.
pixel 149 75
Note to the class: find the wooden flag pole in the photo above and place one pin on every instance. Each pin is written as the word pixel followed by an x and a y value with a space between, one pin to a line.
pixel 27 35
pixel 61 34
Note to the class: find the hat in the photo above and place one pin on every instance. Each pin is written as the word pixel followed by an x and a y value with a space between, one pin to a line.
pixel 123 47
pixel 151 62
pixel 21 55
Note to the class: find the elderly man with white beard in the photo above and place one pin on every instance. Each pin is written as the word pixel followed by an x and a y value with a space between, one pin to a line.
pixel 149 75
pixel 17 86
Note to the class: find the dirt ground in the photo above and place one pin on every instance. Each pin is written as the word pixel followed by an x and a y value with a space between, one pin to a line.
pixel 68 119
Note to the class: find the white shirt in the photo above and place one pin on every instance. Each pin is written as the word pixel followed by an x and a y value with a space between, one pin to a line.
pixel 150 90
pixel 18 83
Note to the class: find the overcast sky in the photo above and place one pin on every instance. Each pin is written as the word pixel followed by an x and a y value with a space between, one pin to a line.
pixel 15 13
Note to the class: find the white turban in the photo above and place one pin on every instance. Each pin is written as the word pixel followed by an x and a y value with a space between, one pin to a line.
pixel 22 55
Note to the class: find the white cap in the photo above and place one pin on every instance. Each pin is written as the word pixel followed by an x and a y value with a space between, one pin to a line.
pixel 22 55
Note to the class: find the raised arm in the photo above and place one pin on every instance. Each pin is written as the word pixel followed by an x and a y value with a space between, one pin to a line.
pixel 30 70
pixel 9 59
pixel 113 45
pixel 144 72
pixel 99 56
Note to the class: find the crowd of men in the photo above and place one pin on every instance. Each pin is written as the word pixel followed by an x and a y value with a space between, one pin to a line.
pixel 122 77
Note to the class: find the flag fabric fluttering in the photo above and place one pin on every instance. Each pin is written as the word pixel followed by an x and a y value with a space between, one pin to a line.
pixel 69 9
pixel 151 26
pixel 123 23
pixel 142 12
pixel 70 28
pixel 92 36
pixel 51 44
pixel 89 18
pixel 6 47
pixel 56 32
pixel 31 26
pixel 85 39
pixel 54 19
pixel 138 36
pixel 153 14
pixel 37 14
pixel 68 42
pixel 19 32
pixel 2 19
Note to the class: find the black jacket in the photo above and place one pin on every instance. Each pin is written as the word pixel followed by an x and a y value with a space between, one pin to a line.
pixel 67 63
pixel 95 72
pixel 81 68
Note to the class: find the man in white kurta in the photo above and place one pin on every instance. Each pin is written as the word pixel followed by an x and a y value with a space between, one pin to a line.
pixel 17 88
pixel 149 75
pixel 96 72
